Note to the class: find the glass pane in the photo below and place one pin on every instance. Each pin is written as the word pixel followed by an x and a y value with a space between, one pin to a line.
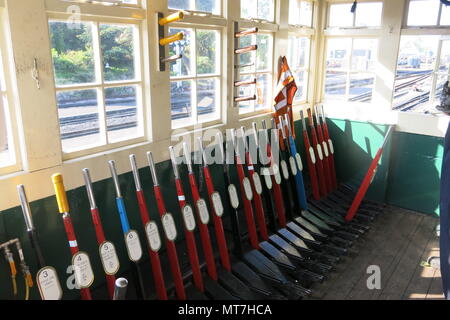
pixel 180 4
pixel 340 15
pixel 207 6
pixel 440 81
pixel 414 72
pixel 122 113
pixel 117 44
pixel 72 52
pixel 444 65
pixel 302 85
pixel 364 54
pixel 181 102
pixel 264 52
pixel 249 9
pixel 6 148
pixel 361 87
pixel 294 12
pixel 249 57
pixel 306 12
pixel 79 120
pixel 263 86
pixel 298 52
pixel 445 16
pixel 207 51
pixel 423 12
pixel 265 10
pixel 247 91
pixel 369 14
pixel 338 53
pixel 335 85
pixel 183 66
pixel 207 100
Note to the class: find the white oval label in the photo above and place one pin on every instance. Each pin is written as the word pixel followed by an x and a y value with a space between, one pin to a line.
pixel 153 236
pixel 189 218
pixel 109 258
pixel 285 169
pixel 312 155
pixel 325 149
pixel 48 284
pixel 319 152
pixel 257 183
pixel 276 173
pixel 217 203
pixel 293 165
pixel 331 146
pixel 234 198
pixel 267 178
pixel 248 189
pixel 203 211
pixel 134 247
pixel 169 226
pixel 84 276
pixel 298 158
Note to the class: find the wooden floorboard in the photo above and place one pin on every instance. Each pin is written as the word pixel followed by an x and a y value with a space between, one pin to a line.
pixel 399 241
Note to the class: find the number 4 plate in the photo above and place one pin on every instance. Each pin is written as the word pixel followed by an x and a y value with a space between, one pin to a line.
pixel 84 276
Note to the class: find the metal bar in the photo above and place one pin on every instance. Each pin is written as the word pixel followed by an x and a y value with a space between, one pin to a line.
pixel 246 32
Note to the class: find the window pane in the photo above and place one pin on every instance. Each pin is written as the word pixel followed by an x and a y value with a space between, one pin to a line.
pixel 79 119
pixel 364 54
pixel 263 83
pixel 294 10
pixel 361 87
pixel 369 14
pixel 444 65
pixel 122 113
pixel 183 66
pixel 440 81
pixel 247 91
pixel 264 52
pixel 338 53
pixel 445 16
pixel 117 44
pixel 423 12
pixel 340 15
pixel 207 49
pixel 414 72
pixel 265 10
pixel 298 52
pixel 207 100
pixel 180 4
pixel 335 84
pixel 6 149
pixel 249 57
pixel 302 85
pixel 207 6
pixel 306 12
pixel 181 102
pixel 72 52
pixel 249 9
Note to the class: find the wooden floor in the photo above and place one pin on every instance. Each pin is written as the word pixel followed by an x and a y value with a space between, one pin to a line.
pixel 399 242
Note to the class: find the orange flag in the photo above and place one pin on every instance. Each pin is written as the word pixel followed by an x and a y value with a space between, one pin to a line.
pixel 285 93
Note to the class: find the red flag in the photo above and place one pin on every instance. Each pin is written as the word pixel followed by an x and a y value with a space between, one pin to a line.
pixel 285 93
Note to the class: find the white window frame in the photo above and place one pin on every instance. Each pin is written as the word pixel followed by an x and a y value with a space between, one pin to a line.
pixel 348 71
pixel 438 22
pixel 353 26
pixel 100 84
pixel 6 96
pixel 260 20
pixel 301 25
pixel 193 14
pixel 271 72
pixel 219 75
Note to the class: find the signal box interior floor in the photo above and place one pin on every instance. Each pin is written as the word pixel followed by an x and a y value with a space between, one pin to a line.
pixel 399 243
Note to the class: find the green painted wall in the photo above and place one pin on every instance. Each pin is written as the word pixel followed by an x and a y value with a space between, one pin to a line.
pixel 356 143
pixel 415 172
